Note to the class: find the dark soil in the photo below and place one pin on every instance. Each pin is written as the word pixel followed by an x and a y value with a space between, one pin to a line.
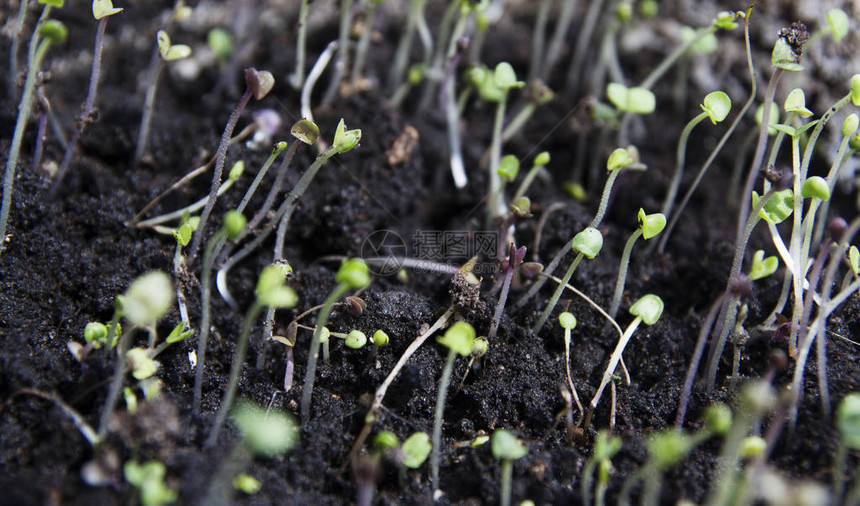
pixel 68 257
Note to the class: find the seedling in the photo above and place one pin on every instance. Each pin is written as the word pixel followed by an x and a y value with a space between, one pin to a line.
pixel 167 52
pixel 605 447
pixel 647 309
pixel 568 323
pixel 102 10
pixel 148 478
pixel 276 435
pixel 650 225
pixel 540 161
pixel 504 80
pixel 635 100
pixel 234 223
pixel 258 84
pixel 146 301
pixel 415 450
pixel 716 107
pixel 459 339
pixel 220 42
pixel 50 32
pixel 343 43
pixel 352 275
pixel 507 448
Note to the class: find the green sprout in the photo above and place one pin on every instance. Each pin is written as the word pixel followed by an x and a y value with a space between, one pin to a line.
pixel 415 450
pixel 148 478
pixel 363 44
pixel 297 78
pixel 507 448
pixel 460 340
pixel 568 322
pixel 247 484
pixel 50 32
pixel 635 100
pixel 848 426
pixel 541 160
pixel 650 225
pixel 167 52
pixel 648 310
pixel 266 433
pixel 380 338
pixel 715 106
pixel 352 275
pixel 220 42
pixel 504 79
pixel 796 102
pixel 762 267
pixel 605 447
pixel 271 291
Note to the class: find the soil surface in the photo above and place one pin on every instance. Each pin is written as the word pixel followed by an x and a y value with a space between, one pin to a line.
pixel 68 256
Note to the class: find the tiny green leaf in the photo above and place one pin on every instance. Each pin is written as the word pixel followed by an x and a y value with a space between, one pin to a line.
pixel 265 432
pixel 149 479
pixel 783 56
pixel 506 446
pixel 509 167
pixel 104 8
pixel 505 78
pixel 850 125
pixel 606 446
pixel 183 234
pixel 762 267
pixel 246 484
pixel 345 140
pixel 786 129
pixel 667 449
pixel 355 340
pixel 481 347
pixel 168 51
pixel 567 320
pixel 306 131
pixel 234 223
pixel 772 120
pixel 380 338
pixel 385 440
pixel 236 170
pixel 542 159
pixel 636 100
pixel 522 207
pixel 220 42
pixel 651 224
pixel 53 31
pixel 271 290
pixel 649 307
pixel 415 450
pixel 148 298
pixel 777 208
pixel 816 186
pixel 179 334
pixel 588 242
pixel 839 23
pixel 706 45
pixel 796 102
pixel 618 159
pixel 718 418
pixel 353 273
pixel 95 331
pixel 142 366
pixel 260 82
pixel 52 3
pixel 854 259
pixel 726 20
pixel 325 334
pixel 752 447
pixel 459 338
pixel 848 420
pixel 855 89
pixel 717 104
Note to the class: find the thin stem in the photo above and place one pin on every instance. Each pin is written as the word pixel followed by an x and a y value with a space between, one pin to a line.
pixel 567 373
pixel 148 107
pixel 496 203
pixel 730 303
pixel 401 54
pixel 342 57
pixel 500 306
pixel 16 42
pixel 452 117
pixel 41 129
pixel 78 420
pixel 220 160
pixel 622 272
pixel 363 45
pixel 116 382
pixel 441 395
pixel 589 24
pixel 613 362
pixel 538 40
pixel 315 73
pixel 310 372
pixel 526 183
pixel 297 78
pixel 89 106
pixel 179 213
pixel 554 48
pixel 507 479
pixel 550 305
pixel 24 109
pixel 205 306
pixel 235 369
pixel 680 156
